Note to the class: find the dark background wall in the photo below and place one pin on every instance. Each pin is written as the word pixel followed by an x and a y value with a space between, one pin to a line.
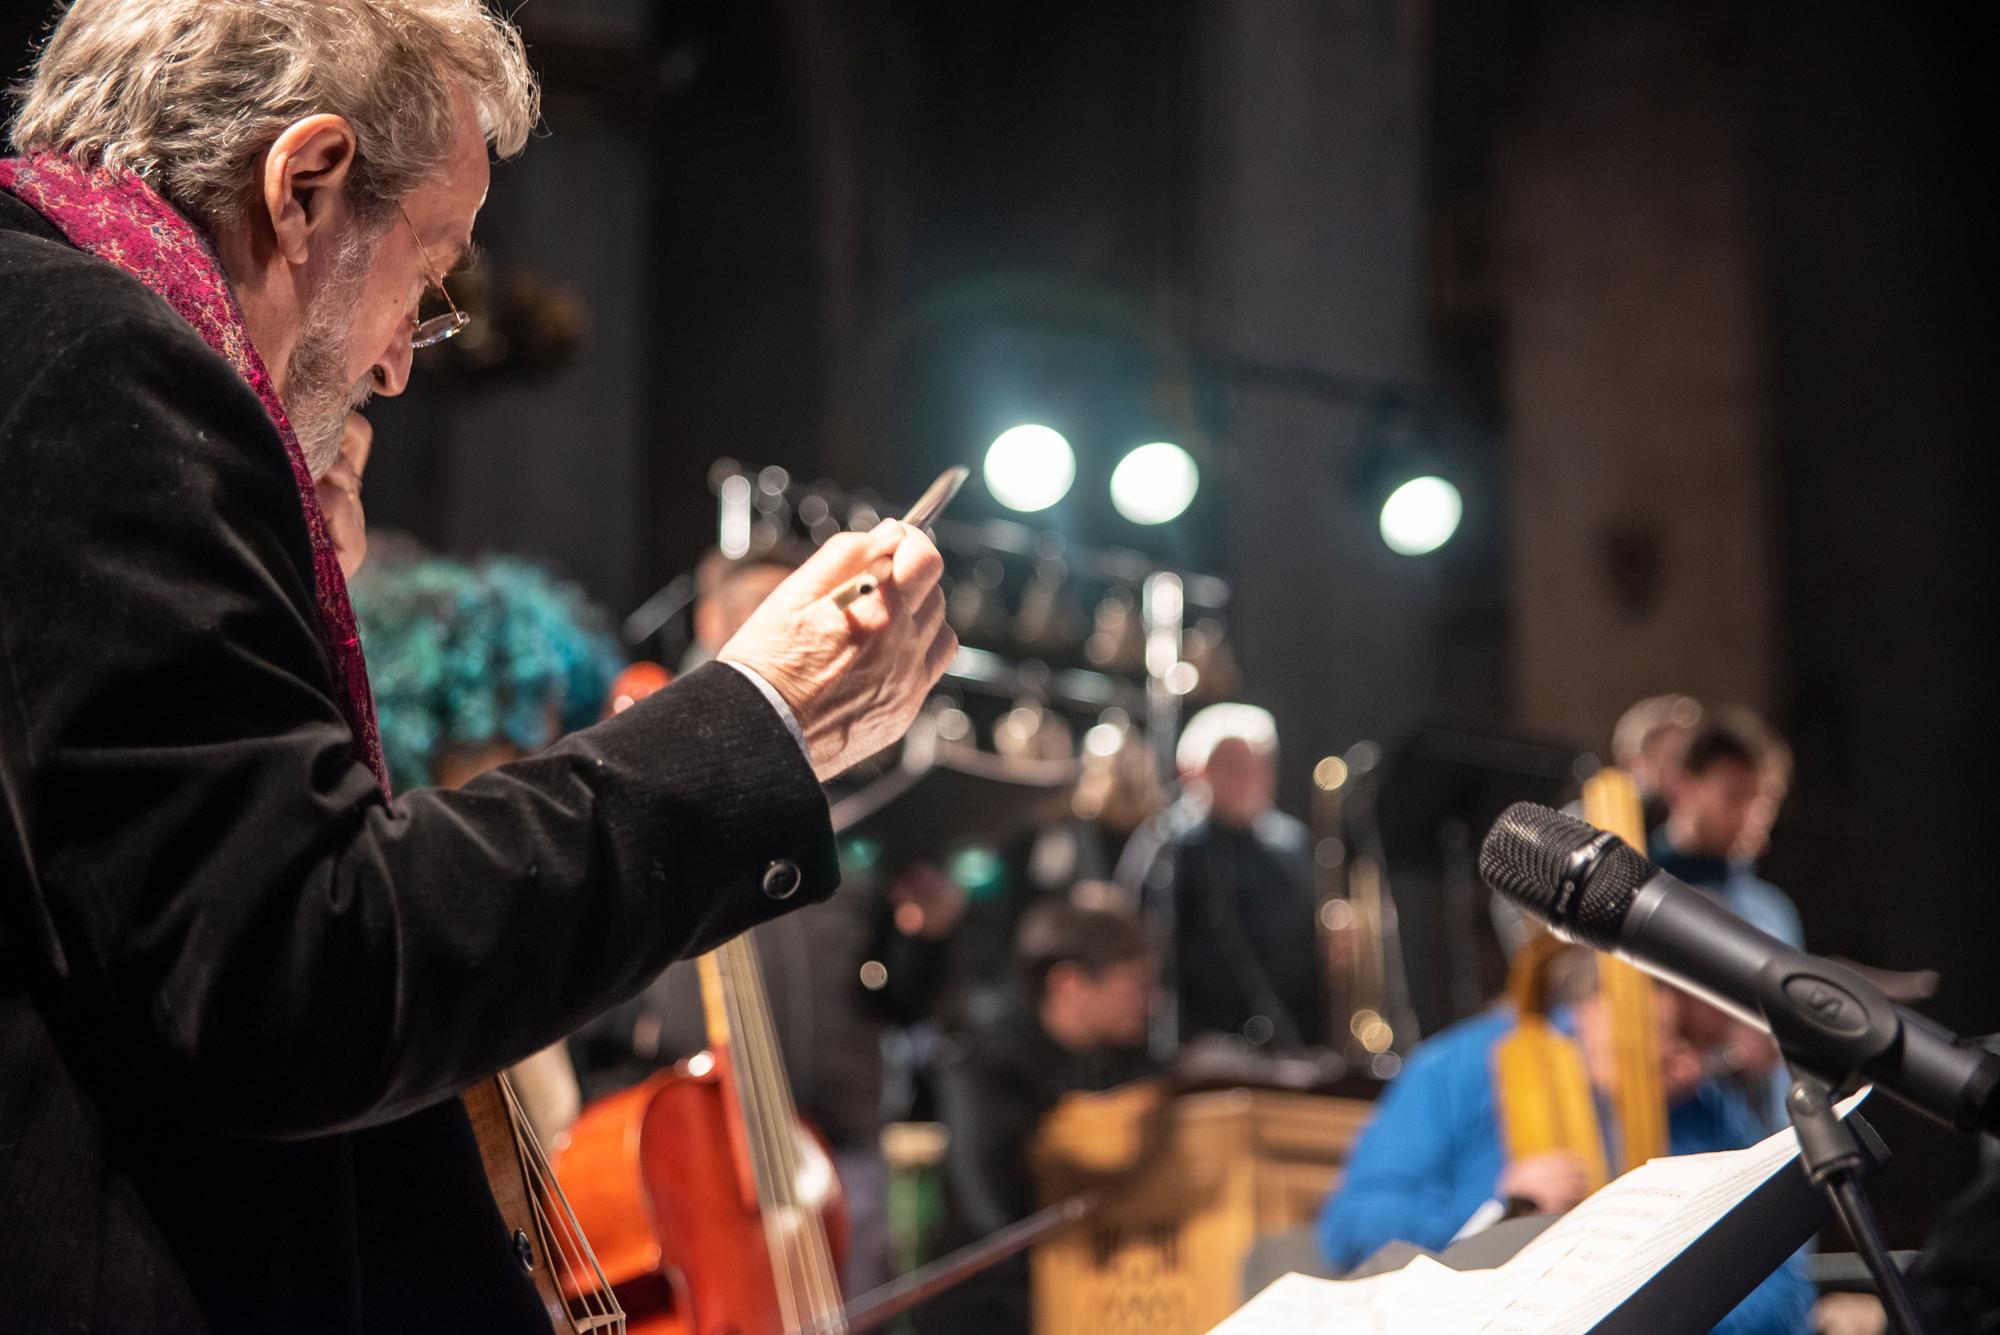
pixel 1701 291
pixel 1720 271
pixel 1871 145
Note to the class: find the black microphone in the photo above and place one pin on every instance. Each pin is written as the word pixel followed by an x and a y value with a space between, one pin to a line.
pixel 1592 888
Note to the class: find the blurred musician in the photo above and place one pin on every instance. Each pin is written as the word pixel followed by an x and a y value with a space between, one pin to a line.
pixel 1647 744
pixel 726 593
pixel 1075 1020
pixel 1719 803
pixel 1118 790
pixel 1431 1165
pixel 1236 874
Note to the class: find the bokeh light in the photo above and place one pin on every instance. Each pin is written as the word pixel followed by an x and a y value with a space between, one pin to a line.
pixel 1421 515
pixel 1154 483
pixel 1029 467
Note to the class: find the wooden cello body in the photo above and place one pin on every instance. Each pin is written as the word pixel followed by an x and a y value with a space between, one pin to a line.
pixel 710 1217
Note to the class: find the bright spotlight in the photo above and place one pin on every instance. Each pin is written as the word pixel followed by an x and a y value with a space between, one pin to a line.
pixel 1421 515
pixel 1154 483
pixel 1029 467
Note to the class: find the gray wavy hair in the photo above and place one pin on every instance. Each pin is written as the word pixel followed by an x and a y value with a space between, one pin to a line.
pixel 190 93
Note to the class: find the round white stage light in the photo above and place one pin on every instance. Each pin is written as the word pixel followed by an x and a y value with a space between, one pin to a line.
pixel 1029 467
pixel 1154 483
pixel 1421 515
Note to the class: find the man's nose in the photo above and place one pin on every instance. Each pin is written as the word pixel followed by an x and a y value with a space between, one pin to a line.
pixel 391 371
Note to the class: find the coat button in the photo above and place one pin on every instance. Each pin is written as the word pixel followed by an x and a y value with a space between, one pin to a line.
pixel 782 879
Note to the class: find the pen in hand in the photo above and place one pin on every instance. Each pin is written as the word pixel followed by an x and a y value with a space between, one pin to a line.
pixel 921 515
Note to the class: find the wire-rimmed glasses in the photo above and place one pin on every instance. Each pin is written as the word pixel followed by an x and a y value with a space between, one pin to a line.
pixel 429 333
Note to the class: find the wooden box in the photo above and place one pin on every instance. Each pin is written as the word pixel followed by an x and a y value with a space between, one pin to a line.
pixel 1209 1174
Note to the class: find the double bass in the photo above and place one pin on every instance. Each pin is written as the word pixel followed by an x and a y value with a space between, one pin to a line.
pixel 714 1209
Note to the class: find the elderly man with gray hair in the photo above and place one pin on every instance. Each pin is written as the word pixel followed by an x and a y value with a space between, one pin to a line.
pixel 1234 874
pixel 239 985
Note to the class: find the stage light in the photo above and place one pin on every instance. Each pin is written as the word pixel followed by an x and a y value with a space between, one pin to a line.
pixel 1029 467
pixel 1154 483
pixel 1421 515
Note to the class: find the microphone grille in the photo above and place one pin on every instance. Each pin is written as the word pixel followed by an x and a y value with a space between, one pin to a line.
pixel 1607 897
pixel 1526 855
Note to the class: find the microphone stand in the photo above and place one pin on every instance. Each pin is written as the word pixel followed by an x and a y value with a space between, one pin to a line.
pixel 1834 1160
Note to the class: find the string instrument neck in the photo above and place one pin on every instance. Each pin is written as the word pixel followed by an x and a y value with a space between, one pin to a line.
pixel 765 1137
pixel 547 1238
pixel 1611 802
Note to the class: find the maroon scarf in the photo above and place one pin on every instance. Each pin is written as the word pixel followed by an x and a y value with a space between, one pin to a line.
pixel 118 217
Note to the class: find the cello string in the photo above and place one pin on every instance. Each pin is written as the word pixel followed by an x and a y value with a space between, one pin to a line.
pixel 517 1124
pixel 804 1230
pixel 795 1239
pixel 816 1259
pixel 762 1069
pixel 822 1289
pixel 579 1262
pixel 551 1246
pixel 562 1229
pixel 818 1255
pixel 747 1070
pixel 594 1317
pixel 779 1123
pixel 743 1078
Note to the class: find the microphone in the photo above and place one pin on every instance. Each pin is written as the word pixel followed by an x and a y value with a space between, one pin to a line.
pixel 1593 889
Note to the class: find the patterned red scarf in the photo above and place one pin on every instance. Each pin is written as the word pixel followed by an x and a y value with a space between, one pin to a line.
pixel 118 217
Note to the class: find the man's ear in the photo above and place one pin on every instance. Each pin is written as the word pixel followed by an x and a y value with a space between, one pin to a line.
pixel 305 182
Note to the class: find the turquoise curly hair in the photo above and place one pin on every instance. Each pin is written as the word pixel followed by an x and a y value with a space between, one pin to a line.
pixel 470 654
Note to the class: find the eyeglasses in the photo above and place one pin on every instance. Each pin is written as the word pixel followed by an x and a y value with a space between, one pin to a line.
pixel 429 333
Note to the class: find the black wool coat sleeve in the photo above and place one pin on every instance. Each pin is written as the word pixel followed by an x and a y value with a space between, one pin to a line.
pixel 207 910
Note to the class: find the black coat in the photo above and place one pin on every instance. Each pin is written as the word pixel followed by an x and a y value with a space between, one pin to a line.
pixel 237 990
pixel 1246 956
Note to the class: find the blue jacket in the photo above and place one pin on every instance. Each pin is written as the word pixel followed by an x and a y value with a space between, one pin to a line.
pixel 1432 1157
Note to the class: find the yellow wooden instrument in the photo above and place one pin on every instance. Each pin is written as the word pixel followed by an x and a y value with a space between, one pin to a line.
pixel 1611 802
pixel 1543 1090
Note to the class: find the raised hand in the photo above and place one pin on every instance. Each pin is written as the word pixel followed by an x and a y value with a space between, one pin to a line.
pixel 855 676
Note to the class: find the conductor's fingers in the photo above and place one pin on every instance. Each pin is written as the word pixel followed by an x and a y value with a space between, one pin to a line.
pixel 929 615
pixel 943 648
pixel 917 566
pixel 839 559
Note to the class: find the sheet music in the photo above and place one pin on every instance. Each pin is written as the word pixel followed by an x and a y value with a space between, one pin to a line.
pixel 1562 1283
pixel 1606 1248
pixel 1422 1295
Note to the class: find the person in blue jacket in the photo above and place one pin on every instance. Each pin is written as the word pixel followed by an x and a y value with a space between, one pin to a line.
pixel 1432 1157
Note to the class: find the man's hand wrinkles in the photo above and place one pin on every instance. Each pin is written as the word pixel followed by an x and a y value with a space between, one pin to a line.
pixel 854 677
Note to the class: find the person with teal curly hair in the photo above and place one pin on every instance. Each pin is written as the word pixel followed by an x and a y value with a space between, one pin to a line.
pixel 476 663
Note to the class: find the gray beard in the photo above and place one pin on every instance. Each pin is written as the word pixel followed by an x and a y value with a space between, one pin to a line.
pixel 318 398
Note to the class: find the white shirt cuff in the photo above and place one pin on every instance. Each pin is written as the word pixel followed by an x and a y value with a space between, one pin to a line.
pixel 777 703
